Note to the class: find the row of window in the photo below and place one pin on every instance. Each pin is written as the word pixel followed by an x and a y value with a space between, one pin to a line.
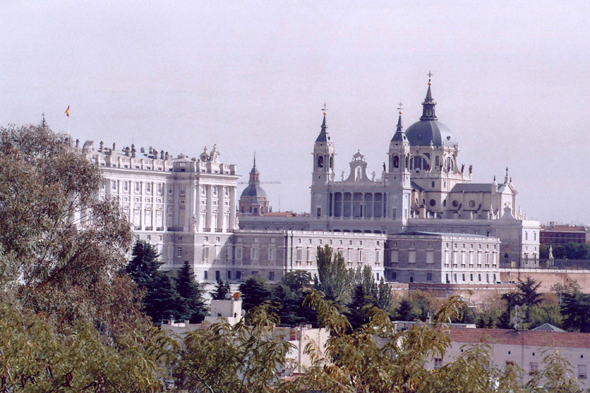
pixel 237 275
pixel 126 185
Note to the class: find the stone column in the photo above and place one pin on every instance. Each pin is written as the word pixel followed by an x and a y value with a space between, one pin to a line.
pixel 232 208
pixel 208 223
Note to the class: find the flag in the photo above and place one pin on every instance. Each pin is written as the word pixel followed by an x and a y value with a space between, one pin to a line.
pixel 68 111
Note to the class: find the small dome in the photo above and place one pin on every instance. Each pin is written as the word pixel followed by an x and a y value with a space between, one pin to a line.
pixel 423 132
pixel 254 190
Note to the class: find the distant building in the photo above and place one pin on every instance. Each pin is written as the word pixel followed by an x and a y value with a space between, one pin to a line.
pixel 555 234
pixel 523 348
pixel 422 188
pixel 253 200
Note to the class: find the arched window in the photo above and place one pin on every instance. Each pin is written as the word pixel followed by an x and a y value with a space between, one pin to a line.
pixel 450 164
pixel 418 162
pixel 320 161
pixel 395 161
pixel 437 162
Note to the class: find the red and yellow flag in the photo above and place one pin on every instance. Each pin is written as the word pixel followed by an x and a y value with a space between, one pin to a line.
pixel 68 111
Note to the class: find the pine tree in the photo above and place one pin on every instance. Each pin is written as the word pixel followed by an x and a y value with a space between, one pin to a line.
pixel 143 267
pixel 255 291
pixel 161 299
pixel 190 304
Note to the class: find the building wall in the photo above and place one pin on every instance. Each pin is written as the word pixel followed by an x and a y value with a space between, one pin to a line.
pixel 443 258
pixel 527 357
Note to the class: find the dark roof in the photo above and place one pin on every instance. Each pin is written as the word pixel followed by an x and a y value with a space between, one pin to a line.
pixel 514 337
pixel 423 132
pixel 547 327
pixel 253 190
pixel 473 187
pixel 323 137
pixel 416 187
pixel 419 233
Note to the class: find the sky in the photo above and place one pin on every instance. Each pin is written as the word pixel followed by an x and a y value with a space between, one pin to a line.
pixel 511 78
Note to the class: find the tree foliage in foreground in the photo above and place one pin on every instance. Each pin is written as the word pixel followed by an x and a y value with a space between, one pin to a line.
pixel 377 358
pixel 246 357
pixel 52 262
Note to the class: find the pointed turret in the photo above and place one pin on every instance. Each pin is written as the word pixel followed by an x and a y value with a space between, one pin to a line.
pixel 323 137
pixel 428 104
pixel 254 174
pixel 400 135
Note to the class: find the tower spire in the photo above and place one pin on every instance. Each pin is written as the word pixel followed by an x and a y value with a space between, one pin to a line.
pixel 400 134
pixel 428 104
pixel 323 137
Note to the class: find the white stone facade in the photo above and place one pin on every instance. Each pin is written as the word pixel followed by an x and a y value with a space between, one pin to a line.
pixel 424 188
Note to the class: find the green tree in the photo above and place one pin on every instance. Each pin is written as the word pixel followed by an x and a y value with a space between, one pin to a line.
pixel 161 301
pixel 575 308
pixel 529 295
pixel 255 291
pixel 333 277
pixel 241 358
pixel 221 292
pixel 190 303
pixel 287 298
pixel 143 268
pixel 61 247
pixel 38 357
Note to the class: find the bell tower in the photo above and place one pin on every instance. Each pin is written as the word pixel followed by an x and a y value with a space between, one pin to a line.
pixel 398 175
pixel 323 171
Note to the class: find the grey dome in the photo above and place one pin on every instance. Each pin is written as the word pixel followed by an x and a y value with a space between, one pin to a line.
pixel 423 132
pixel 253 190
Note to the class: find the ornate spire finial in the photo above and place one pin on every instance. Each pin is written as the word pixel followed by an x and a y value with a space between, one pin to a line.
pixel 325 108
pixel 254 159
pixel 400 107
pixel 428 104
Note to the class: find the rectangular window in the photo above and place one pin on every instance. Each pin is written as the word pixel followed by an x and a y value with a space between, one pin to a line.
pixel 309 255
pixel 271 276
pixel 272 254
pixel 429 256
pixel 582 371
pixel 437 362
pixel 254 253
pixel 239 253
pixel 178 251
pixel 534 367
pixel 394 256
pixel 299 255
pixel 217 275
pixel 428 276
pixel 205 275
pixel 360 256
pixel 412 257
pixel 229 274
pixel 394 275
pixel 137 186
pixel 113 184
pixel 205 254
pixel 238 275
pixel 377 256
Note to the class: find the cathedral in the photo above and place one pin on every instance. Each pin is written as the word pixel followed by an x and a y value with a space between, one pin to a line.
pixel 423 189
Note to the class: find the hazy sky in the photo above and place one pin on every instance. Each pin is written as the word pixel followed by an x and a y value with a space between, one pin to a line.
pixel 512 81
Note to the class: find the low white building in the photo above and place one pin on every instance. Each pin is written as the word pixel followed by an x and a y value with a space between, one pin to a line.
pixel 523 348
